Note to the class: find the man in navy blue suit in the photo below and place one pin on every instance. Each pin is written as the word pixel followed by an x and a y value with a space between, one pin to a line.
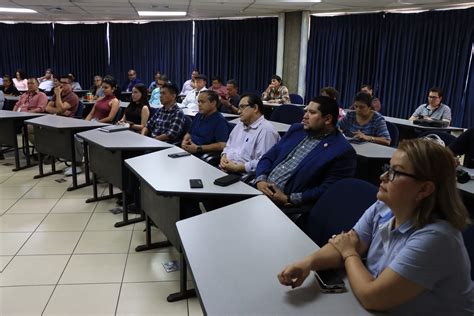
pixel 308 159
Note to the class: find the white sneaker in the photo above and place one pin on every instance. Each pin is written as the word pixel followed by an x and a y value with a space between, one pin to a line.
pixel 68 171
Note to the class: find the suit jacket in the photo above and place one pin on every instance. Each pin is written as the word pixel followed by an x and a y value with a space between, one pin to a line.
pixel 332 159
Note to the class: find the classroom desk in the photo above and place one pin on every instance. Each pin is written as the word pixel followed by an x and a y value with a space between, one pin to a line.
pixel 192 113
pixel 407 128
pixel 9 121
pixel 107 152
pixel 12 97
pixel 373 151
pixel 54 135
pixel 164 183
pixel 468 187
pixel 235 254
pixel 281 128
pixel 275 105
pixel 371 158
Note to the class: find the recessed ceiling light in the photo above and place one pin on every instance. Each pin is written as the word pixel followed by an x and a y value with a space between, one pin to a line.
pixel 161 13
pixel 17 10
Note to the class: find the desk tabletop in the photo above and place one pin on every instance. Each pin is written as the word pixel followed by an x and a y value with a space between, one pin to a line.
pixel 235 254
pixel 372 150
pixel 274 105
pixel 279 127
pixel 171 175
pixel 62 122
pixel 12 97
pixel 408 123
pixel 122 140
pixel 467 187
pixel 192 113
pixel 23 115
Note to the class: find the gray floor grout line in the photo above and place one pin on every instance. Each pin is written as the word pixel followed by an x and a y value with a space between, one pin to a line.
pixel 123 274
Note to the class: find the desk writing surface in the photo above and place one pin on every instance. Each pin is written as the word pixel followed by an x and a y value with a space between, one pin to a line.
pixel 62 122
pixel 399 121
pixel 122 140
pixel 279 127
pixel 235 254
pixel 24 115
pixel 192 113
pixel 171 175
pixel 372 150
pixel 467 187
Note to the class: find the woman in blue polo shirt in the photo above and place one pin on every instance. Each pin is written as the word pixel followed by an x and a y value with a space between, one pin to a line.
pixel 416 259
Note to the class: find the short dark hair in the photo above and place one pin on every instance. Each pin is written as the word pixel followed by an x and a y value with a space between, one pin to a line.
pixel 21 73
pixel 34 78
pixel 110 81
pixel 72 76
pixel 327 106
pixel 50 70
pixel 364 98
pixel 277 78
pixel 438 90
pixel 171 88
pixel 218 79
pixel 365 85
pixel 7 77
pixel 233 82
pixel 65 77
pixel 164 78
pixel 212 96
pixel 331 92
pixel 254 100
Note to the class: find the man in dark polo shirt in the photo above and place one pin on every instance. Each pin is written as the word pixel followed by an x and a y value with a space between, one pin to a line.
pixel 209 130
pixel 64 101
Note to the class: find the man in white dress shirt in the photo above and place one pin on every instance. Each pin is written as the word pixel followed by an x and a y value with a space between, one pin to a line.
pixel 191 100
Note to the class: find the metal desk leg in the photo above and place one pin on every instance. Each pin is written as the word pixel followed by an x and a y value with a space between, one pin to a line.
pixel 149 245
pixel 40 166
pixel 96 197
pixel 183 293
pixel 75 186
pixel 126 220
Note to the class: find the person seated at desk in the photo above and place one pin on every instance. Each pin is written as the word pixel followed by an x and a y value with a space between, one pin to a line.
pixel 154 83
pixel 417 262
pixel 64 101
pixel 188 85
pixel 8 87
pixel 132 81
pixel 230 103
pixel 20 81
pixel 74 84
pixel 218 87
pixel 32 100
pixel 332 93
pixel 276 92
pixel 434 109
pixel 105 108
pixel 375 102
pixel 464 145
pixel 167 124
pixel 155 94
pixel 308 159
pixel 250 139
pixel 46 83
pixel 191 100
pixel 209 131
pixel 96 88
pixel 138 111
pixel 364 123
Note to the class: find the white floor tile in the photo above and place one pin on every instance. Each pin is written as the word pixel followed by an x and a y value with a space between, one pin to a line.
pixel 73 206
pixel 99 268
pixel 84 299
pixel 15 223
pixel 21 180
pixel 145 267
pixel 104 242
pixel 139 238
pixel 45 193
pixel 32 206
pixel 51 243
pixel 4 260
pixel 106 206
pixel 150 299
pixel 82 193
pixel 6 204
pixel 194 308
pixel 24 300
pixel 10 243
pixel 64 222
pixel 106 221
pixel 33 270
pixel 13 192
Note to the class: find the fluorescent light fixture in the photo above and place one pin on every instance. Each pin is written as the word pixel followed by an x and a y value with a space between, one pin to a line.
pixel 17 10
pixel 161 13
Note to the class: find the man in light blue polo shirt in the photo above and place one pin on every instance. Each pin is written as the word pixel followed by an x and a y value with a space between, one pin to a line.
pixel 434 109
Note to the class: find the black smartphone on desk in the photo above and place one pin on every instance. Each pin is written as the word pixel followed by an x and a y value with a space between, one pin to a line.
pixel 227 180
pixel 331 281
pixel 178 155
pixel 196 183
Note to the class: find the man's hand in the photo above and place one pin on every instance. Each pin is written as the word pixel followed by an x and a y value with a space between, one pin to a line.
pixel 278 196
pixel 264 186
pixel 189 146
pixel 58 90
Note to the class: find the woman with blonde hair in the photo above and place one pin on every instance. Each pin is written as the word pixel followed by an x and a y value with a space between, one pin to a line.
pixel 411 237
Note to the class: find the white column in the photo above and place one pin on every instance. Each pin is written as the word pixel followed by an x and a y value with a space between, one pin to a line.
pixel 303 53
pixel 280 44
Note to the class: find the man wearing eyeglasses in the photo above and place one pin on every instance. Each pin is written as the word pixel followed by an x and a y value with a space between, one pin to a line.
pixel 434 109
pixel 64 101
pixel 132 81
pixel 308 159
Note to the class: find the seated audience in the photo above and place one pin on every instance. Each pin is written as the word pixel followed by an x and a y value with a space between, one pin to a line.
pixel 167 124
pixel 155 94
pixel 32 100
pixel 218 87
pixel 332 93
pixel 375 103
pixel 464 145
pixel 20 80
pixel 64 101
pixel 8 87
pixel 74 84
pixel 276 92
pixel 191 100
pixel 230 103
pixel 46 82
pixel 188 84
pixel 209 130
pixel 154 83
pixel 364 123
pixel 308 159
pixel 434 109
pixel 250 139
pixel 416 261
pixel 132 81
pixel 138 111
pixel 105 108
pixel 96 88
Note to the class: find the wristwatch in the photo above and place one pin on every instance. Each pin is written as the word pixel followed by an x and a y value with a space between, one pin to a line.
pixel 371 139
pixel 199 149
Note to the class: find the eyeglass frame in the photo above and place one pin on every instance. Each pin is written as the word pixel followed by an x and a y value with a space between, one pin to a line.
pixel 387 170
pixel 244 106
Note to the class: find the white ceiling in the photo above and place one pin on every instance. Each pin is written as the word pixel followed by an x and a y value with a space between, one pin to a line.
pixel 126 10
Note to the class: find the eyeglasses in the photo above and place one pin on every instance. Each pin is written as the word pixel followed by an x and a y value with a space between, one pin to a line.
pixel 433 97
pixel 392 173
pixel 243 106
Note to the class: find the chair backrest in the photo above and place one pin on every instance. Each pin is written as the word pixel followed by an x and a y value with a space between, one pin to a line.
pixel 339 208
pixel 468 236
pixel 118 115
pixel 152 111
pixel 80 111
pixel 445 137
pixel 186 127
pixel 394 134
pixel 288 114
pixel 296 98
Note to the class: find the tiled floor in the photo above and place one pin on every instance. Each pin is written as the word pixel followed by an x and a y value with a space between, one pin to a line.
pixel 61 256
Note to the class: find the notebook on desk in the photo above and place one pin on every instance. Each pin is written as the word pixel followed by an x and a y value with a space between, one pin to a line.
pixel 431 123
pixel 113 128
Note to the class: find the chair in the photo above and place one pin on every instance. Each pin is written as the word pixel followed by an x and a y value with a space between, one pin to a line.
pixel 152 111
pixel 468 236
pixel 394 134
pixel 339 208
pixel 186 127
pixel 445 137
pixel 80 111
pixel 288 114
pixel 118 115
pixel 296 98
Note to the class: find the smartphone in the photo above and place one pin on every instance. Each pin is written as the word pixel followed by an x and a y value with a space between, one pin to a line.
pixel 331 281
pixel 196 183
pixel 178 155
pixel 227 180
